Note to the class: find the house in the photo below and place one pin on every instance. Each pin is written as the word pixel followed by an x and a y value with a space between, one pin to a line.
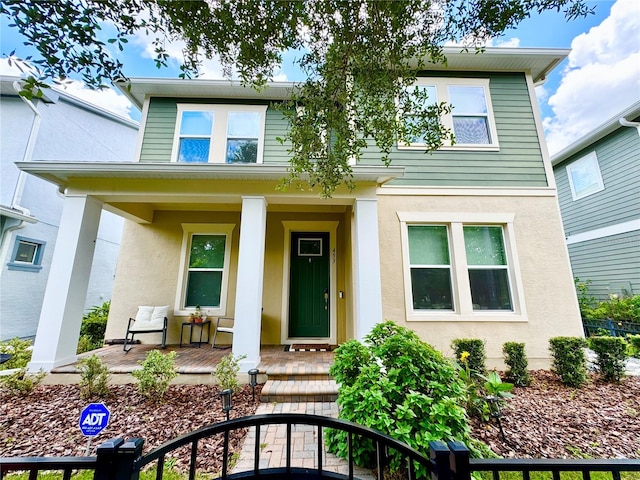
pixel 58 127
pixel 464 242
pixel 598 179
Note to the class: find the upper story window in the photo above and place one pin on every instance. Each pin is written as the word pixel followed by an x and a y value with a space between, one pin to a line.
pixel 27 254
pixel 471 119
pixel 219 133
pixel 584 176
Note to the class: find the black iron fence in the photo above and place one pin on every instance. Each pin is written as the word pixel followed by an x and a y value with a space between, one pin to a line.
pixel 123 460
pixel 610 327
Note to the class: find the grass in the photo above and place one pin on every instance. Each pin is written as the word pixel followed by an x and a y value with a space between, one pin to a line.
pixel 563 476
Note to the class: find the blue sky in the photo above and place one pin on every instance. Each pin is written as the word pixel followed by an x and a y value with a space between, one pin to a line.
pixel 600 78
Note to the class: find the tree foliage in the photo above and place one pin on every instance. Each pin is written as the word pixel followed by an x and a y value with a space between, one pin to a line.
pixel 360 58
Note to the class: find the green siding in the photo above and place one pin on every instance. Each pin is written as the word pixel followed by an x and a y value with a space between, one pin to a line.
pixel 608 261
pixel 518 163
pixel 161 124
pixel 619 159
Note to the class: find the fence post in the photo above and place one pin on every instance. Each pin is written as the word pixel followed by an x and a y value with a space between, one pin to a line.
pixel 106 458
pixel 459 461
pixel 128 453
pixel 439 455
pixel 612 327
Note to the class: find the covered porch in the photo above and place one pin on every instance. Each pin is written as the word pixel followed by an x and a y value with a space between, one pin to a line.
pixel 269 236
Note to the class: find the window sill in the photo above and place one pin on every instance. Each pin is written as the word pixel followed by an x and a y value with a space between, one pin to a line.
pixel 454 148
pixel 484 316
pixel 24 267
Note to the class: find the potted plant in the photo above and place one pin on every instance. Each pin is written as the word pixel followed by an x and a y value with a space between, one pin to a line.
pixel 196 316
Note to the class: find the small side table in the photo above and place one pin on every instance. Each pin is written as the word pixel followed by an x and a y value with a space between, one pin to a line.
pixel 191 325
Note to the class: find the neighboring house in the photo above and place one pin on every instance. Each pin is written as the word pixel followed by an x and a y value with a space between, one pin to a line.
pixel 598 180
pixel 58 127
pixel 464 242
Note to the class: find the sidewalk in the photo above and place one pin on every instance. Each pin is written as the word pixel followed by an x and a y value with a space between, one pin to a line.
pixel 304 441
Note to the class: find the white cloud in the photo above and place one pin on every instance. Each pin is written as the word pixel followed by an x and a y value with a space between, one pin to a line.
pixel 601 79
pixel 107 98
pixel 513 42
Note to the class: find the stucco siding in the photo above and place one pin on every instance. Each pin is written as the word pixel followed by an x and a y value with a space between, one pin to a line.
pixel 610 263
pixel 619 160
pixel 142 280
pixel 549 295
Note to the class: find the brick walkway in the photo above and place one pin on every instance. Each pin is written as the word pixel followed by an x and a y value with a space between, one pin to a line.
pixel 304 440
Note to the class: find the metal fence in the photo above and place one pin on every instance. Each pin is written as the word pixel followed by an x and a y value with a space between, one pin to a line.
pixel 123 460
pixel 611 327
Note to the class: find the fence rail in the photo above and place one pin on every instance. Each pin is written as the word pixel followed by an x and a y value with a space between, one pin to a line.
pixel 613 328
pixel 118 459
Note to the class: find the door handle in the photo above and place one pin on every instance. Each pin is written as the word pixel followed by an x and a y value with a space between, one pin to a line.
pixel 326 299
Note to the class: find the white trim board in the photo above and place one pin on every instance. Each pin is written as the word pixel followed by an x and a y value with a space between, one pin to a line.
pixel 618 229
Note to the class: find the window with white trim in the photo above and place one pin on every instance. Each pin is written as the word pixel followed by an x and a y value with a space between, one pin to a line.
pixel 471 119
pixel 460 265
pixel 219 133
pixel 584 176
pixel 204 268
pixel 27 254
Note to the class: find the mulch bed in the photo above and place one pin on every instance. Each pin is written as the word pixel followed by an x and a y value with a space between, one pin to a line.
pixel 46 422
pixel 549 420
pixel 545 420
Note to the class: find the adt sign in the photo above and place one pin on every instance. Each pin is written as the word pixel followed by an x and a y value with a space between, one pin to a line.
pixel 93 419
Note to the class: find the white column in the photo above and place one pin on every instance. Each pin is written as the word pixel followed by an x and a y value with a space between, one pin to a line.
pixel 63 304
pixel 368 286
pixel 248 309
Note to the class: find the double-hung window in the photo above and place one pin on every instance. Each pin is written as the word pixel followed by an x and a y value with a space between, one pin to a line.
pixel 460 266
pixel 205 267
pixel 471 119
pixel 219 133
pixel 27 254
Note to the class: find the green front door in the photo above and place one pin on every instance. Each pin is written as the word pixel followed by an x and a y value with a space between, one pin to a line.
pixel 309 300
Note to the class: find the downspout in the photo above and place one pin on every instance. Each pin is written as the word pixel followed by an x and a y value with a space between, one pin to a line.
pixel 626 123
pixel 22 176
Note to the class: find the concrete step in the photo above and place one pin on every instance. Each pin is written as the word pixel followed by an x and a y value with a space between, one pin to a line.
pixel 295 372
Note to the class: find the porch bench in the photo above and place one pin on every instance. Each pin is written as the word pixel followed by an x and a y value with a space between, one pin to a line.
pixel 149 319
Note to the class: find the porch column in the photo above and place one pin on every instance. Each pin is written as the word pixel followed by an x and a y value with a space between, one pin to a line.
pixel 64 297
pixel 368 291
pixel 248 310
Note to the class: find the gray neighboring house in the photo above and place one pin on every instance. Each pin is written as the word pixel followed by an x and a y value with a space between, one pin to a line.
pixel 56 127
pixel 598 181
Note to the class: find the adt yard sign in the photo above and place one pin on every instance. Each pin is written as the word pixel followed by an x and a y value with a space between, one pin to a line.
pixel 93 419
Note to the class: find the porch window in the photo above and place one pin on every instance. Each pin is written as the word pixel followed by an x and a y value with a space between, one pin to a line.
pixel 461 266
pixel 205 266
pixel 219 133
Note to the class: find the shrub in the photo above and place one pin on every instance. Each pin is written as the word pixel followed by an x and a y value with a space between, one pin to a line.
pixel 402 387
pixel 634 345
pixel 475 348
pixel 94 377
pixel 569 361
pixel 226 372
pixel 156 373
pixel 94 324
pixel 20 351
pixel 21 382
pixel 516 359
pixel 612 356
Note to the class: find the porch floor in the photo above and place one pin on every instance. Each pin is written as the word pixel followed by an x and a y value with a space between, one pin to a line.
pixel 192 360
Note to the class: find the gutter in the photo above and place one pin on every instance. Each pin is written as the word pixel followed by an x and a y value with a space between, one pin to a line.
pixel 626 123
pixel 23 215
